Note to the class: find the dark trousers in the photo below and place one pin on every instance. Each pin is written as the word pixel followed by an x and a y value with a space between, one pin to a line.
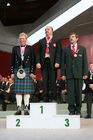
pixel 74 90
pixel 49 75
pixel 89 98
pixel 3 98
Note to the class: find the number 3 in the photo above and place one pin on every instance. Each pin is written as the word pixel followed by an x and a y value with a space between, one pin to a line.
pixel 67 122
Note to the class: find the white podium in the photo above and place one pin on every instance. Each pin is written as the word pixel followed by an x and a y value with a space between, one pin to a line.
pixel 43 116
pixel 42 110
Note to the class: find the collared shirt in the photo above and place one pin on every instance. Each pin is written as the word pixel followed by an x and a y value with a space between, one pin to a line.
pixel 74 47
pixel 48 41
pixel 49 37
pixel 22 50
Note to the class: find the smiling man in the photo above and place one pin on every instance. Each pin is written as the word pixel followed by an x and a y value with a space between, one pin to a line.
pixel 48 59
pixel 22 71
pixel 74 69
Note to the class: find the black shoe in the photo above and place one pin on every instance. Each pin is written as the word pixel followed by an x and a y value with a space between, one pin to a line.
pixel 18 111
pixel 78 113
pixel 71 113
pixel 26 110
pixel 52 100
pixel 87 117
pixel 45 100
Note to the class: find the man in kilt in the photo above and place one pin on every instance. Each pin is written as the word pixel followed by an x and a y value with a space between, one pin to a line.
pixel 22 71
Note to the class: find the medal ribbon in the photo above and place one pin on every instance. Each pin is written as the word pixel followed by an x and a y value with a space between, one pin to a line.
pixel 22 50
pixel 73 50
pixel 47 48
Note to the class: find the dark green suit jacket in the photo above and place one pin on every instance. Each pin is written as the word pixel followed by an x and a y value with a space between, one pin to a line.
pixel 74 67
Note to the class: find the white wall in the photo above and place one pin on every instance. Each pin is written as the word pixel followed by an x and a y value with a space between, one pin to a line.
pixel 8 37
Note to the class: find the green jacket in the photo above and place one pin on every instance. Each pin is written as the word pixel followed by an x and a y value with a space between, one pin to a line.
pixel 74 67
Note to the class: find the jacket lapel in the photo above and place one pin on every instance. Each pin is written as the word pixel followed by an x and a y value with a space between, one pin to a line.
pixel 78 48
pixel 51 44
pixel 44 41
pixel 26 50
pixel 18 51
pixel 70 51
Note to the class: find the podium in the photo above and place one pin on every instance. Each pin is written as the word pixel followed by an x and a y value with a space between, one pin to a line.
pixel 43 116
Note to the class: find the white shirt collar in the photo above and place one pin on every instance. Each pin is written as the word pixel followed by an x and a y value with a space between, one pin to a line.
pixel 50 37
pixel 75 46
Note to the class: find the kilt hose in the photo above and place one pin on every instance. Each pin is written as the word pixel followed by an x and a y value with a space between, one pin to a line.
pixel 23 86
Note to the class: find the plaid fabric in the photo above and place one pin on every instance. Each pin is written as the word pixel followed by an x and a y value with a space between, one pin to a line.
pixel 23 86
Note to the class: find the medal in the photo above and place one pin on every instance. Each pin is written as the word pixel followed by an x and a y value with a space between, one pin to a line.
pixel 75 55
pixel 21 72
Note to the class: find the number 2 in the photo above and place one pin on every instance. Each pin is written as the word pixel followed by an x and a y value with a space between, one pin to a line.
pixel 18 123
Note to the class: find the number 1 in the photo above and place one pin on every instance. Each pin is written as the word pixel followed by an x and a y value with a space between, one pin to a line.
pixel 41 109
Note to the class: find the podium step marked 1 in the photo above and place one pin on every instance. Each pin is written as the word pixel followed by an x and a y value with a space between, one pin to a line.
pixel 43 116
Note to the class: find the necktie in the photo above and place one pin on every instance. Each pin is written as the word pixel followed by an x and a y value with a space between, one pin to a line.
pixel 73 50
pixel 47 48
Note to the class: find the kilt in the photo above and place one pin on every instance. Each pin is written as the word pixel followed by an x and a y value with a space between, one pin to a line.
pixel 23 86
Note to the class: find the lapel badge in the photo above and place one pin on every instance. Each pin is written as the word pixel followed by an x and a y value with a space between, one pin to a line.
pixel 54 45
pixel 80 55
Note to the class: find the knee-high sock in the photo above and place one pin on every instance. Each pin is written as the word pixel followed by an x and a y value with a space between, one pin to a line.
pixel 26 99
pixel 19 100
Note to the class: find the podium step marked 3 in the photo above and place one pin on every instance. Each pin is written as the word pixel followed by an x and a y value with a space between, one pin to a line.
pixel 43 116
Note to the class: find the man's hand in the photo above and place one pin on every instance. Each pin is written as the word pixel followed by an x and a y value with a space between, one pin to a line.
pixel 56 65
pixel 38 65
pixel 63 78
pixel 12 76
pixel 91 86
pixel 85 77
pixel 33 76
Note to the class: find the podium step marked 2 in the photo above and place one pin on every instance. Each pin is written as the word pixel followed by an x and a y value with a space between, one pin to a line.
pixel 43 116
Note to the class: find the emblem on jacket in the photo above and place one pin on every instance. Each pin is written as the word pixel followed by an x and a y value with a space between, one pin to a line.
pixel 54 45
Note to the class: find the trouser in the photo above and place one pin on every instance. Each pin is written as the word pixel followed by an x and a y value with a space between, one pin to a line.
pixel 19 99
pixel 49 74
pixel 74 90
pixel 3 97
pixel 89 98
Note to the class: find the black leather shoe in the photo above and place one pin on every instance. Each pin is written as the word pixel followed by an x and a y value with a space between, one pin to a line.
pixel 78 113
pixel 71 113
pixel 45 99
pixel 87 117
pixel 52 100
pixel 26 110
pixel 18 111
